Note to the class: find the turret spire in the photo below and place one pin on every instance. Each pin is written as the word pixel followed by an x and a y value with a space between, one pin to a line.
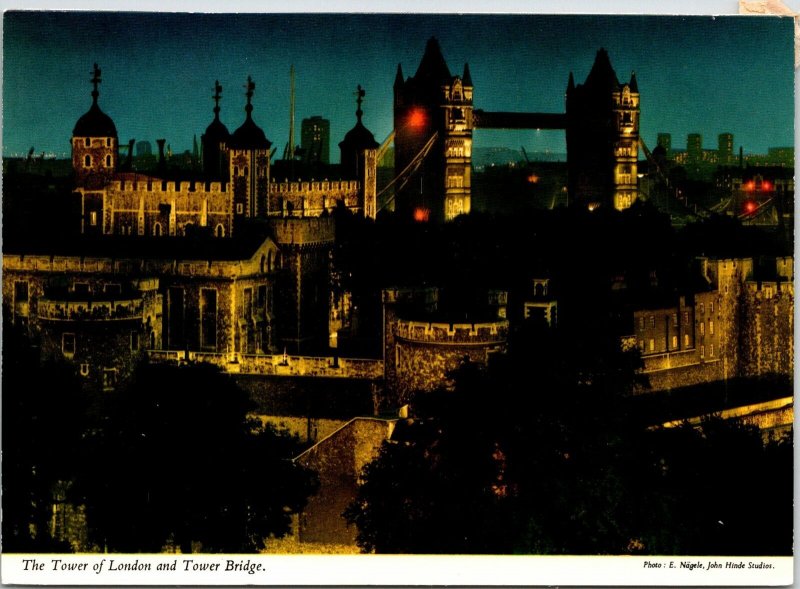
pixel 634 85
pixel 250 86
pixel 360 93
pixel 95 81
pixel 398 79
pixel 571 83
pixel 217 97
pixel 467 78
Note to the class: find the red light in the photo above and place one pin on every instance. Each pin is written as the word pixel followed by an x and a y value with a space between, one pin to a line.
pixel 750 186
pixel 421 215
pixel 750 206
pixel 766 186
pixel 416 118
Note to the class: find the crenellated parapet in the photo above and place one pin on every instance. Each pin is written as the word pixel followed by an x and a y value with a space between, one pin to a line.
pixel 494 332
pixel 313 198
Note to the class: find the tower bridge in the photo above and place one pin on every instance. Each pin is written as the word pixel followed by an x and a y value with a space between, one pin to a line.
pixel 601 122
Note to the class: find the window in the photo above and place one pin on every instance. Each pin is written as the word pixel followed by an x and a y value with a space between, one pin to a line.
pixel 685 340
pixel 675 319
pixel 81 288
pixel 239 208
pixel 235 170
pixel 157 230
pixel 87 161
pixel 652 321
pixel 247 308
pixel 261 296
pixel 109 379
pixel 84 369
pixel 710 307
pixel 686 317
pixel 108 141
pixel 134 341
pixel 652 344
pixel 674 342
pixel 20 292
pixel 702 328
pixel 87 142
pixel 113 289
pixel 93 218
pixel 702 308
pixel 702 351
pixel 108 161
pixel 68 344
pixel 711 351
pixel 641 323
pixel 219 231
pixel 208 318
pixel 711 327
pixel 641 345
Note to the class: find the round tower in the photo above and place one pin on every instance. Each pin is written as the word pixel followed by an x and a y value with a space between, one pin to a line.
pixel 94 143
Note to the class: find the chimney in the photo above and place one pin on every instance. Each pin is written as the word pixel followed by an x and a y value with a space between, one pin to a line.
pixel 161 161
pixel 129 159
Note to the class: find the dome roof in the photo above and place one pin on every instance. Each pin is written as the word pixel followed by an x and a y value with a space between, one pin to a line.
pixel 95 123
pixel 217 130
pixel 249 136
pixel 359 138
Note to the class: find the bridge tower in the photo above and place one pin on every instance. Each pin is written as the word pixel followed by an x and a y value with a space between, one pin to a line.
pixel 602 138
pixel 433 103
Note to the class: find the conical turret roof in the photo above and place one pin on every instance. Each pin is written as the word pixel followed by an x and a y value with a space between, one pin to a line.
pixel 433 67
pixel 602 75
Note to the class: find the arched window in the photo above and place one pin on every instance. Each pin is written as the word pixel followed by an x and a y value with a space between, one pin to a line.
pixel 219 231
pixel 87 142
pixel 157 230
pixel 245 171
pixel 263 263
pixel 235 170
pixel 188 228
pixel 269 262
pixel 108 161
pixel 87 161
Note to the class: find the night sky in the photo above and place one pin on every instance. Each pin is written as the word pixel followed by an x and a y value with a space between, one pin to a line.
pixel 696 74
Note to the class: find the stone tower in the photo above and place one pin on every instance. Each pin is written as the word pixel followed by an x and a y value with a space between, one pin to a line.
pixel 602 138
pixel 94 144
pixel 248 164
pixel 358 156
pixel 433 116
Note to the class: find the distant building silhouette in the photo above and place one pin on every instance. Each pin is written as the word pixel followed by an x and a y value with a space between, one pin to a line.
pixel 315 139
pixel 665 141
pixel 144 148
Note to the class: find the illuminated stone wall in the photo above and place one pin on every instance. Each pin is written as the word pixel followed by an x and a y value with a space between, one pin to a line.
pixel 153 207
pixel 426 353
pixel 311 199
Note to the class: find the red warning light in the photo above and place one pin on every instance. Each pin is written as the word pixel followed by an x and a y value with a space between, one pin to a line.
pixel 421 215
pixel 766 186
pixel 750 206
pixel 416 118
pixel 750 186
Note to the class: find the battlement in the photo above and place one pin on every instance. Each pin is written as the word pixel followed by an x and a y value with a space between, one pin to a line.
pixel 493 332
pixel 168 188
pixel 313 187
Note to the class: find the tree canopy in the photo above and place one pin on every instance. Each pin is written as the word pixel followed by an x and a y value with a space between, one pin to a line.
pixel 546 453
pixel 177 462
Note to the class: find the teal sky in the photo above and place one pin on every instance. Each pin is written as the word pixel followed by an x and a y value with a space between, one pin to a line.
pixel 696 74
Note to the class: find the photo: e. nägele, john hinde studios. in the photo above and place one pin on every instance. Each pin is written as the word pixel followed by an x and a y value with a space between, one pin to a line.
pixel 397 284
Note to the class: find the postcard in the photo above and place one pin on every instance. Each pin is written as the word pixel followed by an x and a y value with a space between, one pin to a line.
pixel 397 299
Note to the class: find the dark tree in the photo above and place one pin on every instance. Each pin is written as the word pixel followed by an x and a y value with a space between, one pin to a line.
pixel 43 419
pixel 547 452
pixel 179 462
